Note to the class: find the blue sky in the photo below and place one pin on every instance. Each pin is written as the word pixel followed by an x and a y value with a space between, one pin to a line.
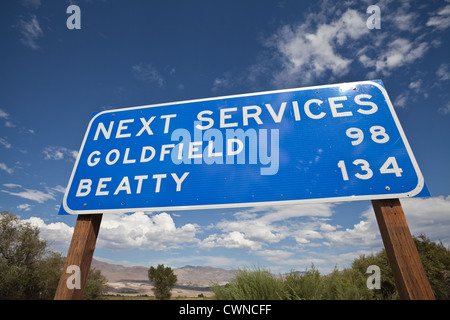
pixel 132 53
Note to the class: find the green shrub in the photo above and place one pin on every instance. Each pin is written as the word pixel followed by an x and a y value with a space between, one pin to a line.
pixel 256 284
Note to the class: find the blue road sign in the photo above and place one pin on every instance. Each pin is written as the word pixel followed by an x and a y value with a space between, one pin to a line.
pixel 339 142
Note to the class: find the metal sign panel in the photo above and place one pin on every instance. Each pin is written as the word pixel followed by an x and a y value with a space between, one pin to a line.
pixel 318 144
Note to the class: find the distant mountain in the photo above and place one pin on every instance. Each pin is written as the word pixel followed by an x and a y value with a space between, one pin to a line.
pixel 117 273
pixel 203 276
pixel 194 276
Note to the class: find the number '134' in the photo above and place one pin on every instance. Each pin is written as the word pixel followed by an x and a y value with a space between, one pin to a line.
pixel 390 166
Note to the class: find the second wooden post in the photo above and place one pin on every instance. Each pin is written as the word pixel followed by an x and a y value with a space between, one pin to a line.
pixel 410 278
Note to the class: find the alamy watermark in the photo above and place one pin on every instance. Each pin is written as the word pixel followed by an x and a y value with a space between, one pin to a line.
pixel 374 280
pixel 74 280
pixel 238 146
pixel 74 20
pixel 374 21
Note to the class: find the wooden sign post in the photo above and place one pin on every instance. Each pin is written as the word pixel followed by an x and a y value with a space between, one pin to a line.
pixel 410 277
pixel 78 262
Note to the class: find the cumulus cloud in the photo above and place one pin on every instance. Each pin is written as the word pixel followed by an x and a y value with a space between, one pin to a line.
pixel 265 232
pixel 125 231
pixel 57 234
pixel 365 233
pixel 140 230
pixel 306 53
pixel 430 216
pixel 231 240
pixel 255 228
pixel 333 44
pixel 289 240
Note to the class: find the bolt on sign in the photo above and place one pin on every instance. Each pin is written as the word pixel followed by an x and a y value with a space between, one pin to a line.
pixel 340 142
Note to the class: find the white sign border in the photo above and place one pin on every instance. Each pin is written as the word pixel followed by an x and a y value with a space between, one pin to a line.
pixel 412 193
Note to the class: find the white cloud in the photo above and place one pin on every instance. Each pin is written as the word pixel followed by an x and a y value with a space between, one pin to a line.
pixel 4 114
pixel 333 43
pixel 24 207
pixel 30 31
pixel 279 213
pixel 441 19
pixel 365 233
pixel 445 109
pixel 410 95
pixel 305 234
pixel 275 255
pixel 443 72
pixel 416 85
pixel 30 194
pixel 257 227
pixel 122 232
pixel 404 20
pixel 146 72
pixel 401 100
pixel 327 227
pixel 59 153
pixel 231 240
pixel 140 230
pixel 59 189
pixel 4 167
pixel 253 230
pixel 430 216
pixel 261 231
pixel 5 143
pixel 307 53
pixel 222 83
pixel 57 234
pixel 9 124
pixel 400 52
pixel 12 185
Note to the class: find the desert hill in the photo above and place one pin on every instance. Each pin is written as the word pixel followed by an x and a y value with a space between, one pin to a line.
pixel 188 276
